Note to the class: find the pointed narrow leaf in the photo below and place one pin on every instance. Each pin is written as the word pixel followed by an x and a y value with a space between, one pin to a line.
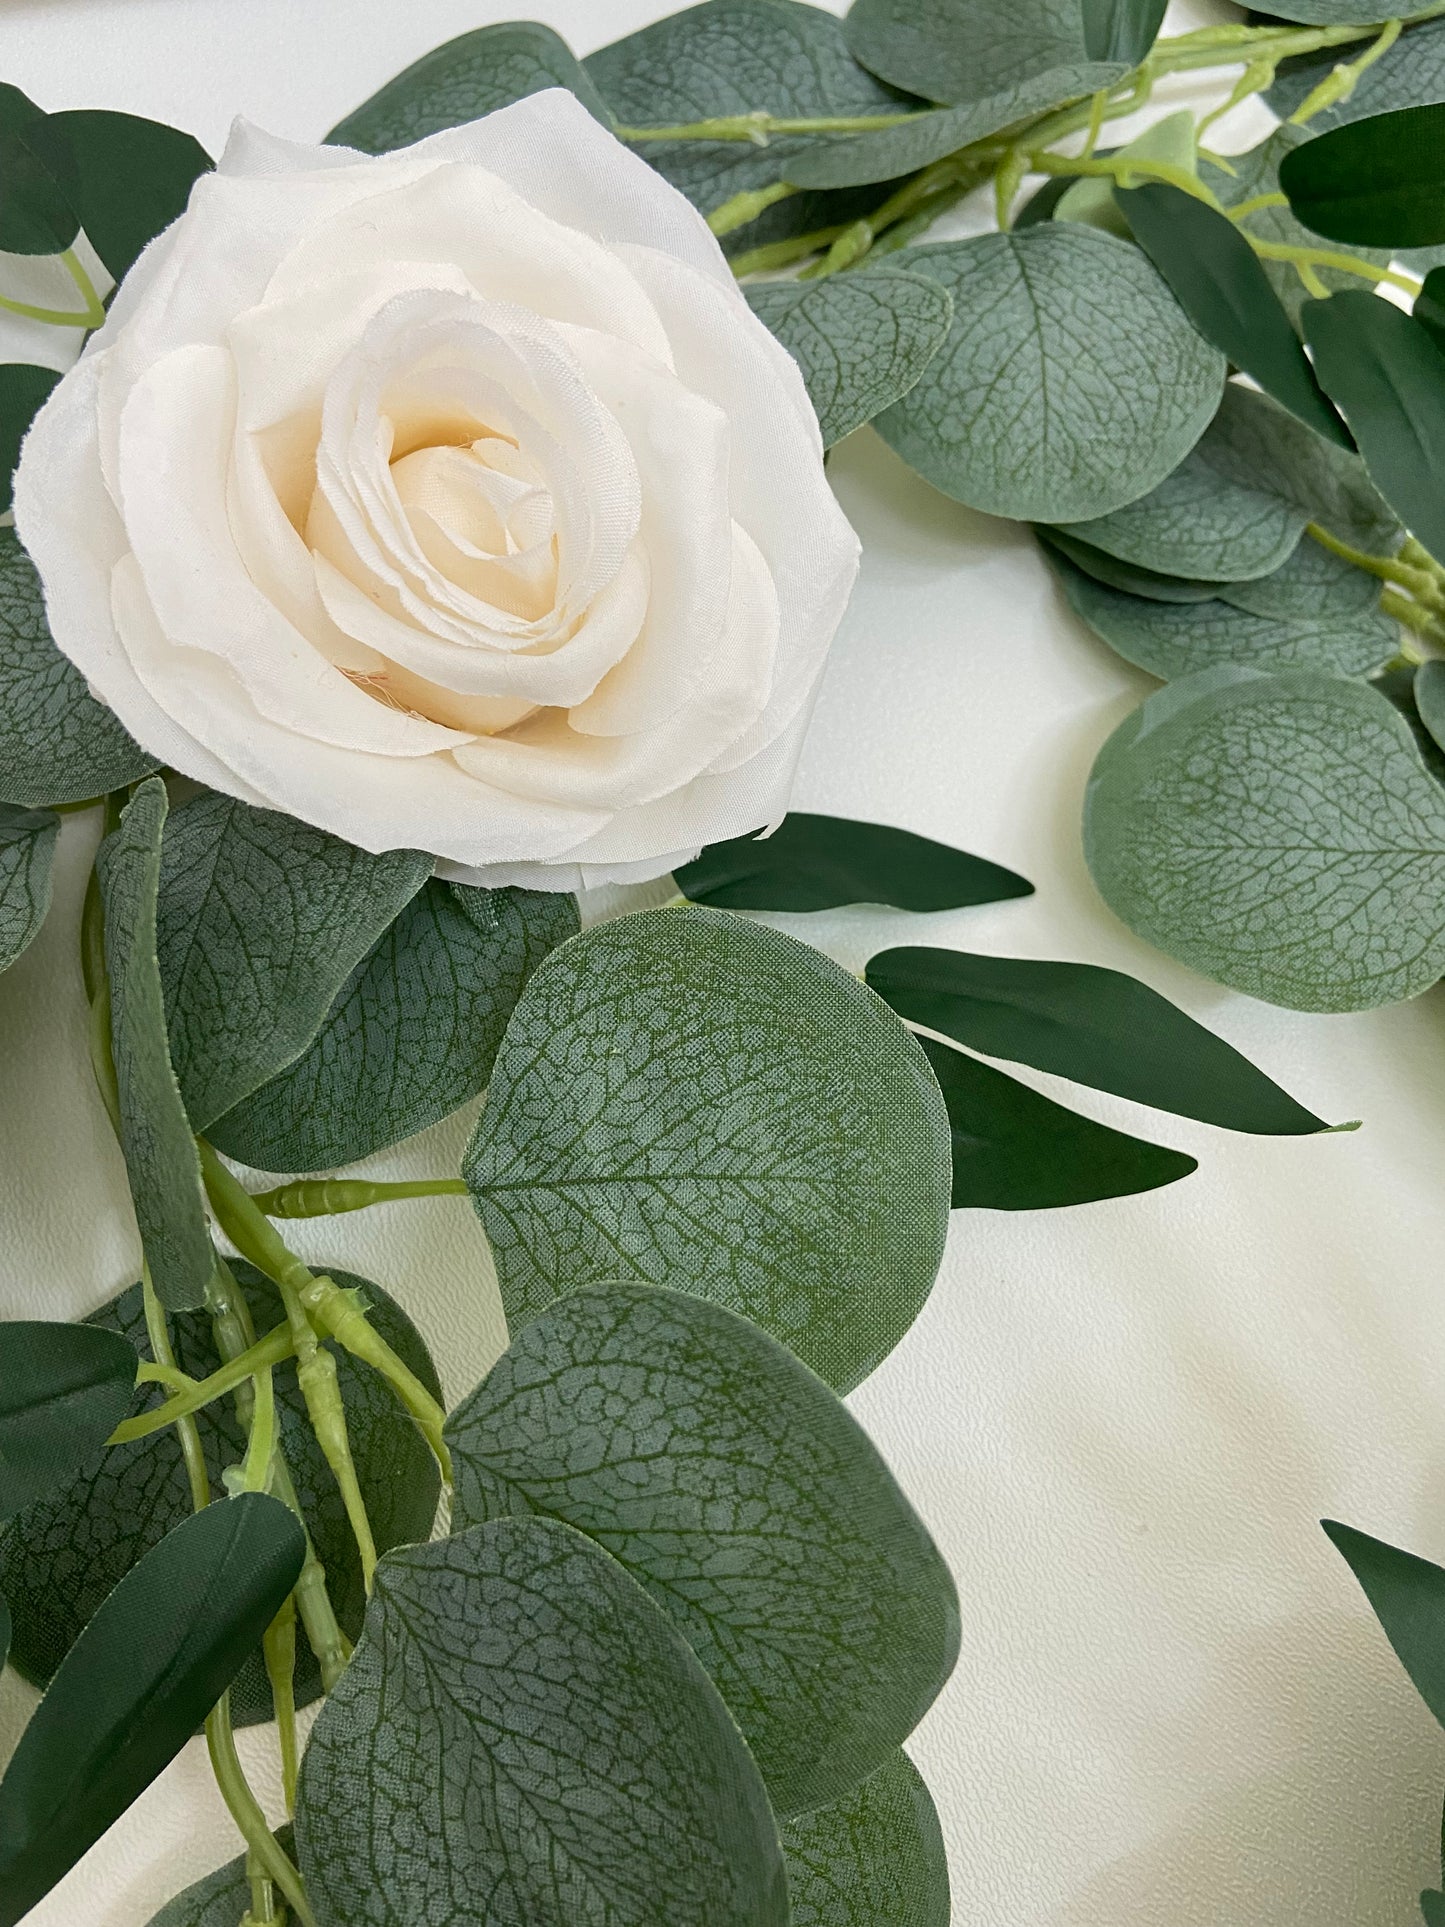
pixel 63 1391
pixel 1379 182
pixel 1097 1026
pixel 27 845
pixel 1432 1905
pixel 155 1133
pixel 735 1487
pixel 146 1671
pixel 36 216
pixel 1122 29
pixel 874 1859
pixel 1014 1150
pixel 126 177
pixel 22 390
pixel 819 862
pixel 1407 1596
pixel 1429 308
pixel 221 1899
pixel 538 1744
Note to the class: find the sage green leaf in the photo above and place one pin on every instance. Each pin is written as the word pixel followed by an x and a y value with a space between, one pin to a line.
pixel 684 1097
pixel 1175 639
pixel 1407 1596
pixel 22 390
pixel 27 845
pixel 1070 384
pixel 960 50
pixel 1314 584
pixel 1279 833
pixel 1014 1150
pixel 221 1899
pixel 63 1391
pixel 733 1485
pixel 57 743
pixel 1221 284
pixel 155 1133
pixel 873 1859
pixel 1378 182
pixel 62 1557
pixel 1411 71
pixel 727 57
pixel 1097 1026
pixel 126 177
pixel 148 1668
pixel 538 1744
pixel 1127 577
pixel 1332 13
pixel 463 80
pixel 413 1032
pixel 261 920
pixel 1388 377
pixel 819 862
pixel 1091 197
pixel 1122 29
pixel 1430 698
pixel 861 340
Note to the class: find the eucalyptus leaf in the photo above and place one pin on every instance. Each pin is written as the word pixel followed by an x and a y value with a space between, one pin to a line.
pixel 462 81
pixel 126 177
pixel 57 743
pixel 148 1668
pixel 1314 585
pixel 1279 833
pixel 155 1134
pixel 221 1899
pixel 819 862
pixel 261 919
pixel 63 1556
pixel 27 847
pixel 22 390
pixel 1429 308
pixel 1407 1596
pixel 4 1633
pixel 1097 1026
pixel 1377 182
pixel 873 1859
pixel 1126 577
pixel 1221 284
pixel 537 1743
pixel 1070 384
pixel 735 1487
pixel 1432 1906
pixel 684 1097
pixel 1015 1150
pixel 1332 13
pixel 960 50
pixel 63 1391
pixel 412 1034
pixel 861 340
pixel 1430 698
pixel 1411 71
pixel 1122 29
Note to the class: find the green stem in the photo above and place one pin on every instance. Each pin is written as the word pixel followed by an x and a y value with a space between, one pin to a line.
pixel 278 1647
pixel 328 1197
pixel 1329 258
pixel 1426 584
pixel 773 255
pixel 1341 83
pixel 342 1319
pixel 1392 603
pixel 747 206
pixel 186 1431
pixel 270 1350
pixel 1122 168
pixel 91 316
pixel 759 127
pixel 244 1810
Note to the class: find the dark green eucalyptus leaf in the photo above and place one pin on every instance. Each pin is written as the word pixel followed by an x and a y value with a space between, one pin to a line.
pixel 27 845
pixel 735 1487
pixel 412 1035
pixel 1429 308
pixel 873 1859
pixel 463 80
pixel 1430 698
pixel 155 1134
pixel 148 1668
pixel 1071 381
pixel 960 50
pixel 1279 833
pixel 1122 29
pixel 538 1744
pixel 63 1391
pixel 36 215
pixel 1014 1150
pixel 1378 182
pixel 57 743
pixel 1096 1026
pixel 1126 577
pixel 62 1557
pixel 17 110
pixel 4 1633
pixel 1432 1906
pixel 1407 1596
pixel 861 340
pixel 22 390
pixel 819 862
pixel 221 1899
pixel 683 1097
pixel 260 921
pixel 126 177
pixel 1398 686
pixel 1221 284
pixel 1388 377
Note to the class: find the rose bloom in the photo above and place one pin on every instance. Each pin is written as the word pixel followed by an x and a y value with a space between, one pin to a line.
pixel 452 499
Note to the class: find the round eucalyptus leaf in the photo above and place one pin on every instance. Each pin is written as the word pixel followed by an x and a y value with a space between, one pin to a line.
pixel 1314 585
pixel 683 1097
pixel 1331 13
pixel 63 1391
pixel 873 1859
pixel 1122 29
pixel 1071 381
pixel 960 50
pixel 1279 833
pixel 1127 577
pixel 221 1899
pixel 1430 698
pixel 27 847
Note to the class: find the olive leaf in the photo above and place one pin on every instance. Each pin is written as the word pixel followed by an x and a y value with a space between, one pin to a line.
pixel 155 1133
pixel 23 388
pixel 36 215
pixel 412 1034
pixel 63 1391
pixel 57 743
pixel 66 1552
pixel 221 1899
pixel 27 846
pixel 1279 833
pixel 260 921
pixel 1071 381
pixel 1376 182
pixel 861 340
pixel 873 1859
pixel 1407 1595
pixel 537 1743
pixel 462 81
pixel 684 1097
pixel 735 1487
pixel 126 177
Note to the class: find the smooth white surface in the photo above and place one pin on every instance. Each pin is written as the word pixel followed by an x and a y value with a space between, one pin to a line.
pixel 1122 1421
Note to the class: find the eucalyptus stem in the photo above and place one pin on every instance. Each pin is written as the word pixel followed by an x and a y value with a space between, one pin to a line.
pixel 270 1350
pixel 329 1197
pixel 1339 84
pixel 278 1649
pixel 1424 580
pixel 759 127
pixel 245 1811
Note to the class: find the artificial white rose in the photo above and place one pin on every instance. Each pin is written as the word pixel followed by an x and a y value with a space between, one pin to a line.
pixel 452 499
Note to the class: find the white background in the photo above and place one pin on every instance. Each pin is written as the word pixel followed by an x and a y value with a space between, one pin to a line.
pixel 1122 1421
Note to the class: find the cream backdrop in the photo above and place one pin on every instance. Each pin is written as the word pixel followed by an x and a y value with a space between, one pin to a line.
pixel 1122 1421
